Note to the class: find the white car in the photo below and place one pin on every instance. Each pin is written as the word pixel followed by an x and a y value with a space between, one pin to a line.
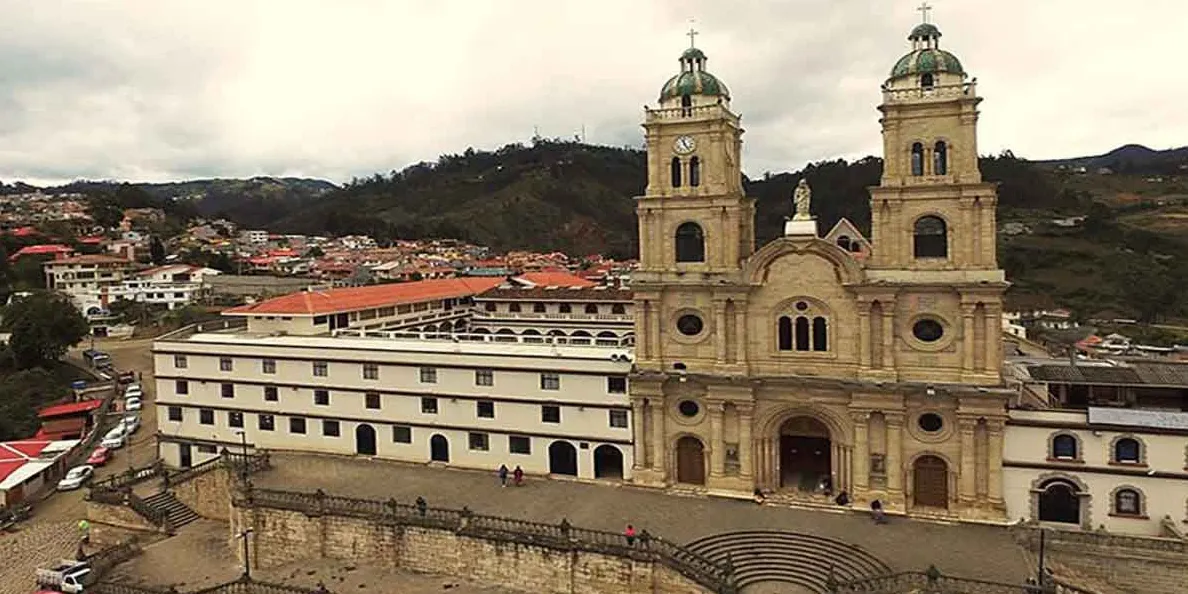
pixel 76 477
pixel 115 438
pixel 132 404
pixel 133 391
pixel 130 424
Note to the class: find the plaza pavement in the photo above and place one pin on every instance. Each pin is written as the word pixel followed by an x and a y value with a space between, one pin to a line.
pixel 965 550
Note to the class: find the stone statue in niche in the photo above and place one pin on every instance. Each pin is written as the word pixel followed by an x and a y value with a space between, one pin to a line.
pixel 802 201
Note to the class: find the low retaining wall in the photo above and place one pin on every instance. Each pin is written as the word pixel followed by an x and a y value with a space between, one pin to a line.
pixel 514 554
pixel 1140 564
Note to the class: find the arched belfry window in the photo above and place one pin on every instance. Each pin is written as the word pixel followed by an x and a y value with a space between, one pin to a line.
pixel 802 333
pixel 940 158
pixel 690 243
pixel 820 334
pixel 695 171
pixel 917 159
pixel 926 81
pixel 804 329
pixel 686 105
pixel 784 330
pixel 931 237
pixel 676 172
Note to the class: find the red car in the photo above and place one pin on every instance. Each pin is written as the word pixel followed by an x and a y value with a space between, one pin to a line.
pixel 99 457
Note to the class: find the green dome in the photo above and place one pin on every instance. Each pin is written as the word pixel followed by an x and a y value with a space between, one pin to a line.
pixel 928 60
pixel 693 54
pixel 924 31
pixel 696 82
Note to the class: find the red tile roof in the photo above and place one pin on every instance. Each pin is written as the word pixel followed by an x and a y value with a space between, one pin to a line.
pixel 69 408
pixel 15 454
pixel 92 259
pixel 357 298
pixel 555 279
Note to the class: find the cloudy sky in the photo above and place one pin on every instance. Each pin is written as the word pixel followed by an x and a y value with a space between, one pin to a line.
pixel 154 90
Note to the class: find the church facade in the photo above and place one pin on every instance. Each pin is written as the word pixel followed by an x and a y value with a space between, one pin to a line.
pixel 797 367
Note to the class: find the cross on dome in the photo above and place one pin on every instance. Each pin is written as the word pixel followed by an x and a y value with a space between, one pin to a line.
pixel 924 9
pixel 692 35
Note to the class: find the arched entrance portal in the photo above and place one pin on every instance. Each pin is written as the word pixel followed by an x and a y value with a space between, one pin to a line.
pixel 562 458
pixel 608 462
pixel 1059 502
pixel 805 455
pixel 439 448
pixel 930 482
pixel 690 461
pixel 365 440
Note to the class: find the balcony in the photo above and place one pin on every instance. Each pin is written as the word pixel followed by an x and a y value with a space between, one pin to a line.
pixel 701 112
pixel 461 337
pixel 554 317
pixel 938 93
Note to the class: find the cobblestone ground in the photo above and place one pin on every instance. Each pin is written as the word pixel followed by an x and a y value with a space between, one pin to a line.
pixel 31 546
pixel 974 551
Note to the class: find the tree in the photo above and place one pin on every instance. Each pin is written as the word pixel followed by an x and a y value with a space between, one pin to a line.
pixel 131 312
pixel 105 212
pixel 21 394
pixel 43 326
pixel 157 251
pixel 1150 287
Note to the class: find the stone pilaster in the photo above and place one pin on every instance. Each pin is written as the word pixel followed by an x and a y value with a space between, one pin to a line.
pixel 969 464
pixel 638 436
pixel 745 445
pixel 861 451
pixel 895 469
pixel 659 454
pixel 717 444
pixel 994 466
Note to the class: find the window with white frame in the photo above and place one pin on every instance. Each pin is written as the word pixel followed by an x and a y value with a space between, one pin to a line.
pixel 550 381
pixel 321 369
pixel 428 375
pixel 370 371
pixel 618 418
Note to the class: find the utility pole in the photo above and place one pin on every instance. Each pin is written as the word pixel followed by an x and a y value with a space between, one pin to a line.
pixel 247 562
pixel 1040 578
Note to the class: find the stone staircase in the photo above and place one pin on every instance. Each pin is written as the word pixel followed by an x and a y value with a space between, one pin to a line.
pixel 178 513
pixel 760 556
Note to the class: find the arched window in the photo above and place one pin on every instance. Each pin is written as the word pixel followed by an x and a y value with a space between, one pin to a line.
pixel 618 309
pixel 931 237
pixel 784 331
pixel 690 243
pixel 1128 450
pixel 686 105
pixel 926 81
pixel 1128 502
pixel 802 333
pixel 676 172
pixel 1064 447
pixel 940 158
pixel 538 308
pixel 820 338
pixel 591 308
pixel 917 159
pixel 695 171
pixel 565 308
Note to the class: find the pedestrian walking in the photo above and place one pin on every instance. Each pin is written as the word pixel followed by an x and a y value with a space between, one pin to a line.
pixel 518 475
pixel 630 534
pixel 503 475
pixel 876 512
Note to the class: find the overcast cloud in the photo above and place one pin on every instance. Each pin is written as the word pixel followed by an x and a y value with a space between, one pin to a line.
pixel 155 90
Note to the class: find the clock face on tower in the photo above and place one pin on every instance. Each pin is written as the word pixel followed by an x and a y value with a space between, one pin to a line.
pixel 684 145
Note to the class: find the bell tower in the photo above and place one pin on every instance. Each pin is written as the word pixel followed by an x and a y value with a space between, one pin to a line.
pixel 932 211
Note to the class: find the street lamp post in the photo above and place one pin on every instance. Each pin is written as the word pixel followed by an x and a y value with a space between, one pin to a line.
pixel 243 440
pixel 247 561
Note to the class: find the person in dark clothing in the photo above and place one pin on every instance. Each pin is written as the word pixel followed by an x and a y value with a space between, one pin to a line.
pixel 518 475
pixel 503 474
pixel 842 498
pixel 876 512
pixel 759 496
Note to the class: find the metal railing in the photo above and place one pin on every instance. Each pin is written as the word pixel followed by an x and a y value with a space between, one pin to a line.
pixel 933 581
pixel 487 338
pixel 239 586
pixel 697 568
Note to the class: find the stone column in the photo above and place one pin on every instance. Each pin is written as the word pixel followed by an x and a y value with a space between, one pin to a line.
pixel 745 446
pixel 994 466
pixel 968 324
pixel 638 436
pixel 717 444
pixel 861 451
pixel 659 452
pixel 864 334
pixel 993 338
pixel 720 338
pixel 969 464
pixel 889 335
pixel 894 453
pixel 740 333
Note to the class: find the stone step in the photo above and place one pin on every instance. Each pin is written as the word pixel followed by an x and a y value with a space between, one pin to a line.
pixel 179 514
pixel 777 556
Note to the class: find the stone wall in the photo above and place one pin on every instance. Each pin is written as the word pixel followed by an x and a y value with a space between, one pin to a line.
pixel 208 494
pixel 114 524
pixel 282 536
pixel 1138 564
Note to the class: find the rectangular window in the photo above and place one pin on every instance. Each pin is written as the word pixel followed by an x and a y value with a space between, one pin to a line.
pixel 271 394
pixel 616 384
pixel 225 364
pixel 518 444
pixel 182 387
pixel 319 320
pixel 618 418
pixel 235 419
pixel 550 414
pixel 401 434
pixel 322 397
pixel 479 441
pixel 266 422
pixel 429 406
pixel 428 375
pixel 331 429
pixel 550 381
pixel 485 409
pixel 206 416
pixel 268 366
pixel 484 377
pixel 179 361
pixel 370 371
pixel 175 413
pixel 207 449
pixel 321 369
pixel 372 400
pixel 228 390
pixel 297 425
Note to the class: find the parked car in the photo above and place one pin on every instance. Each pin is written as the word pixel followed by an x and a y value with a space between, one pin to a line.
pixel 115 438
pixel 99 457
pixel 77 476
pixel 68 576
pixel 132 403
pixel 127 377
pixel 131 423
pixel 133 391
